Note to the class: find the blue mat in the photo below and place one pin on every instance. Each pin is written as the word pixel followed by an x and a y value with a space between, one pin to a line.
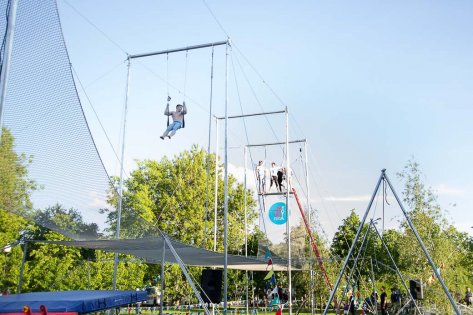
pixel 70 301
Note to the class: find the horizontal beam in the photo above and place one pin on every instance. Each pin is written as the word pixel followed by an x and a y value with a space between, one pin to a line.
pixel 276 193
pixel 169 51
pixel 274 143
pixel 248 115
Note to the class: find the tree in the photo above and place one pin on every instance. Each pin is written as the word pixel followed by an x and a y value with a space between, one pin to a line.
pixel 15 186
pixel 170 195
pixel 15 191
pixel 445 244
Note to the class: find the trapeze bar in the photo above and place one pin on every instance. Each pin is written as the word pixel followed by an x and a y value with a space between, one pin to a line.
pixel 273 143
pixel 257 114
pixel 168 51
pixel 276 194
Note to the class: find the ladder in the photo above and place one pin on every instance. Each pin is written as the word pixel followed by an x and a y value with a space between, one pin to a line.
pixel 312 241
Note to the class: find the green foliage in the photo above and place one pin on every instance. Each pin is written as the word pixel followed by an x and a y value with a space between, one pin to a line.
pixel 15 190
pixel 176 196
pixel 15 186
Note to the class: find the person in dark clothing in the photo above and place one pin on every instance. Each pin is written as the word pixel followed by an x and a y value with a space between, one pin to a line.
pixel 384 301
pixel 280 179
pixel 274 177
pixel 468 297
pixel 352 304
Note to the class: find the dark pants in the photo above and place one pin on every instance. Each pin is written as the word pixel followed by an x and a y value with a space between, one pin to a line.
pixel 274 179
pixel 280 178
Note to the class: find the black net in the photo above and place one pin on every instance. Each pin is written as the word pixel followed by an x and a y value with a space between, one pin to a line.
pixel 44 115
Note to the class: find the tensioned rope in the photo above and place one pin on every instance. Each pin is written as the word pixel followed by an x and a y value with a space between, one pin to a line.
pixel 96 27
pixel 95 113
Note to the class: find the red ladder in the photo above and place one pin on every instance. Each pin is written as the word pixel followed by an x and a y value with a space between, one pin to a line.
pixel 312 241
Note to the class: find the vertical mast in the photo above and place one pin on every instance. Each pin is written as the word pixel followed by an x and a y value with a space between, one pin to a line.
pixel 246 234
pixel 120 187
pixel 309 210
pixel 288 223
pixel 225 219
pixel 216 185
pixel 7 58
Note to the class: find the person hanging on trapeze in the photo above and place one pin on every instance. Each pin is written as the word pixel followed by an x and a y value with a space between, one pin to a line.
pixel 261 177
pixel 177 119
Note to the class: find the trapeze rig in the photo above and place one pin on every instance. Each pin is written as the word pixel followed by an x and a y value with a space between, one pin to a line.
pixel 227 44
pixel 286 143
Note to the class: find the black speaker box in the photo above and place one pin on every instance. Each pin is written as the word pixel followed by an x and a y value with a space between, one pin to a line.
pixel 415 287
pixel 211 283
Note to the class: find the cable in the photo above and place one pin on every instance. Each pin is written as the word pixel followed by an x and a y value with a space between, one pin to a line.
pixel 215 18
pixel 96 115
pixel 96 27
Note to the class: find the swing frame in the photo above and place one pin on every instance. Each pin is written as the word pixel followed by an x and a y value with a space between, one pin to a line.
pixel 227 43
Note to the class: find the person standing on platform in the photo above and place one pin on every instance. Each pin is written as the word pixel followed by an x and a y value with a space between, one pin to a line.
pixel 274 177
pixel 261 177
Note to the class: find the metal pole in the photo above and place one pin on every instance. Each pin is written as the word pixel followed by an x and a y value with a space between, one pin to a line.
pixel 22 267
pixel 397 269
pixel 88 273
pixel 246 233
pixel 216 185
pixel 208 152
pixel 225 219
pixel 7 58
pixel 424 249
pixel 334 290
pixel 186 273
pixel 355 263
pixel 374 287
pixel 288 223
pixel 161 296
pixel 169 51
pixel 120 188
pixel 250 115
pixel 274 143
pixel 312 297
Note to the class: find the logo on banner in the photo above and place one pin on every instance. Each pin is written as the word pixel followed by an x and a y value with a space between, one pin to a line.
pixel 278 213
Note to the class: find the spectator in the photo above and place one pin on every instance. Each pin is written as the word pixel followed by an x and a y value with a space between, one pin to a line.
pixel 468 297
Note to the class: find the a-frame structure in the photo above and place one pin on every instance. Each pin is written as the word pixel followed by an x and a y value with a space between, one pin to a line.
pixel 384 178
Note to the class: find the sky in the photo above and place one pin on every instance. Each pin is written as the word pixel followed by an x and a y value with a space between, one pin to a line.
pixel 369 85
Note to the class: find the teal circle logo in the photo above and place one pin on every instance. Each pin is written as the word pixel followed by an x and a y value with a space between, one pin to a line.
pixel 278 213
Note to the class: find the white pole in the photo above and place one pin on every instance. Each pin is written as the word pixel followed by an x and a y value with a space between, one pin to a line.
pixel 312 302
pixel 246 234
pixel 216 185
pixel 7 58
pixel 288 223
pixel 163 262
pixel 120 188
pixel 225 219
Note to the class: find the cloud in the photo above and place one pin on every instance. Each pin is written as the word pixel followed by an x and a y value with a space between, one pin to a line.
pixel 445 190
pixel 239 173
pixel 97 201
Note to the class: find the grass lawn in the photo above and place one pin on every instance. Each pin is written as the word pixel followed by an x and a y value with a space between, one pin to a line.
pixel 230 311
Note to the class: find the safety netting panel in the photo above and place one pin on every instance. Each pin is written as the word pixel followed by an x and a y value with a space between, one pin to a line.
pixel 44 115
